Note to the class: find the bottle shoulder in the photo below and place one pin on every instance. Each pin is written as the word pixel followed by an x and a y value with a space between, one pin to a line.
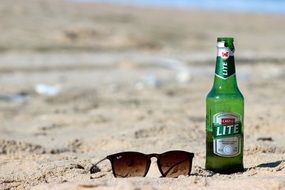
pixel 231 94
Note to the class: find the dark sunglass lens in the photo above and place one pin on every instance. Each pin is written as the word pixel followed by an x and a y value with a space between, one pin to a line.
pixel 175 163
pixel 129 164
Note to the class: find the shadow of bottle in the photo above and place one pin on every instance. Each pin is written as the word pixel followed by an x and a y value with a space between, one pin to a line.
pixel 270 164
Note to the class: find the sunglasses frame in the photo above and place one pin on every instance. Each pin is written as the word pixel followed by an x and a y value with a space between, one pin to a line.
pixel 148 157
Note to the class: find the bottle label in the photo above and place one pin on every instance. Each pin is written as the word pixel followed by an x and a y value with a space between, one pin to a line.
pixel 225 66
pixel 227 134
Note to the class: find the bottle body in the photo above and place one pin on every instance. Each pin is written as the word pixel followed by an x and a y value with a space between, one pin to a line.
pixel 224 115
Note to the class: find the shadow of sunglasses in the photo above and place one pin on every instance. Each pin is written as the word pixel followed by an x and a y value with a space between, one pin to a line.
pixel 135 164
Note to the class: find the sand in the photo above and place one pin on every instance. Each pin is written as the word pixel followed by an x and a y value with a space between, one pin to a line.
pixel 131 79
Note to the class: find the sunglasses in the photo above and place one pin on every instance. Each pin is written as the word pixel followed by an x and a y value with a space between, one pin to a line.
pixel 135 164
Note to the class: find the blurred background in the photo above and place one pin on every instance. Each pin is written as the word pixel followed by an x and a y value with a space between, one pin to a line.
pixel 63 59
pixel 169 26
pixel 88 59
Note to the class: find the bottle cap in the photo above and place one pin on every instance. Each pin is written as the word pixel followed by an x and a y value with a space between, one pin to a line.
pixel 227 42
pixel 227 39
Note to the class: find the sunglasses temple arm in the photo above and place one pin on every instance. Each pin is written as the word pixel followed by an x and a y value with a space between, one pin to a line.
pixel 94 168
pixel 100 161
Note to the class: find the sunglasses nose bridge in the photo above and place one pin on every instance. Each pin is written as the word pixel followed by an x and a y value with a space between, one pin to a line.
pixel 153 170
pixel 153 155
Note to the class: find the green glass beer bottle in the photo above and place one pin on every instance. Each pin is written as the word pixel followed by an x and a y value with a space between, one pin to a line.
pixel 224 114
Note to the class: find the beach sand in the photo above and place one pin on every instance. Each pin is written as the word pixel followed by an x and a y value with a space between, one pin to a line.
pixel 135 79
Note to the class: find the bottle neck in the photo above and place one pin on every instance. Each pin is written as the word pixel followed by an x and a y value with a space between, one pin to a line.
pixel 225 75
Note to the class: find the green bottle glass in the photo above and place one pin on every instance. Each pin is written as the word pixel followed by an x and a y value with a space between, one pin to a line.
pixel 224 114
